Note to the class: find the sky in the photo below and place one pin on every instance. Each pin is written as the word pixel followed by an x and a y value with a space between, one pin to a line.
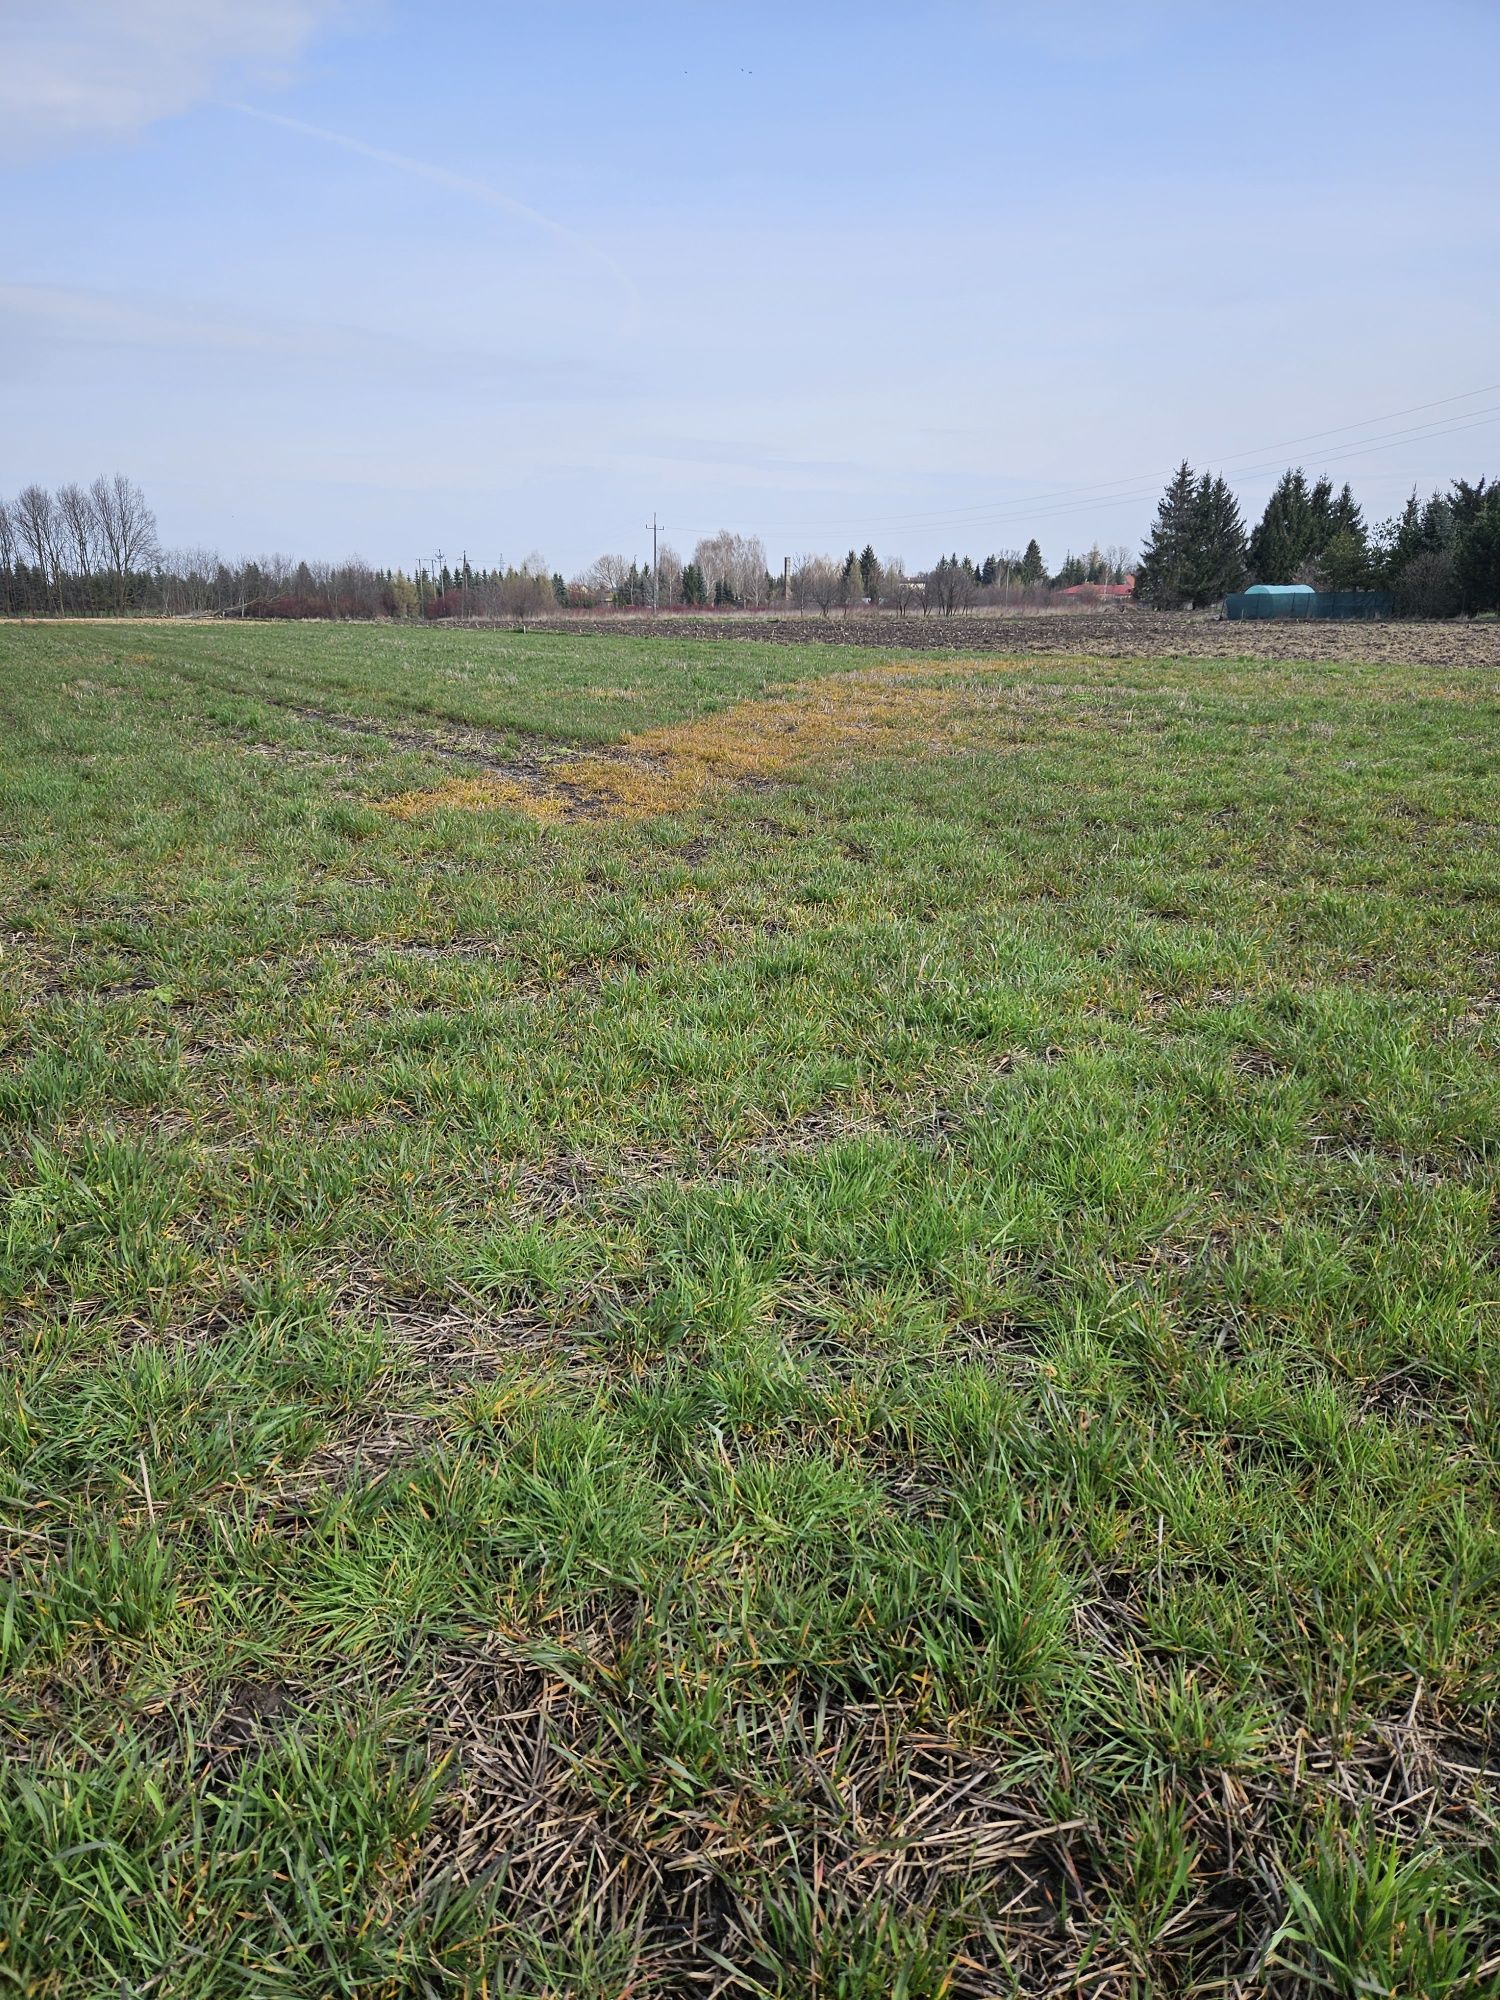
pixel 374 277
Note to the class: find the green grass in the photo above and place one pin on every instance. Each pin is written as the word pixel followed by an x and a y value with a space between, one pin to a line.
pixel 885 1387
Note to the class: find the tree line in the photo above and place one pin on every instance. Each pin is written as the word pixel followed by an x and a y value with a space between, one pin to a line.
pixel 1438 558
pixel 96 551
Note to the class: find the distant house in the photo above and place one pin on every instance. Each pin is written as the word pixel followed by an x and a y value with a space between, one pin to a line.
pixel 1099 592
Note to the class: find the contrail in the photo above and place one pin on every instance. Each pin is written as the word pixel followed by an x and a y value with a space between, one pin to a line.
pixel 461 184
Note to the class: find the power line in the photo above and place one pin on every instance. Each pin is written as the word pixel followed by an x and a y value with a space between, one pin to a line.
pixel 1419 434
pixel 1102 492
pixel 1029 512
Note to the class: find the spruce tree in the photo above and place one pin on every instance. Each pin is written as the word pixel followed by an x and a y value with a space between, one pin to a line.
pixel 1344 559
pixel 1397 541
pixel 1439 524
pixel 1347 517
pixel 1284 535
pixel 1320 500
pixel 1216 543
pixel 1477 554
pixel 1033 569
pixel 1345 562
pixel 1163 575
pixel 1469 502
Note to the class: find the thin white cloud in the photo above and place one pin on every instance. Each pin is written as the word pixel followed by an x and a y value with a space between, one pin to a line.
pixel 51 318
pixel 69 313
pixel 79 71
pixel 478 191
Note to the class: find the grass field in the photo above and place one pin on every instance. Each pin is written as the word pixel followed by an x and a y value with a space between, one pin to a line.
pixel 719 1319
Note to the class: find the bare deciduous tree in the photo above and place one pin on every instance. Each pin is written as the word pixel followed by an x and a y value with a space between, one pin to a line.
pixel 8 548
pixel 38 527
pixel 606 576
pixel 189 578
pixel 79 529
pixel 733 564
pixel 527 592
pixel 898 586
pixel 950 586
pixel 359 588
pixel 127 527
pixel 669 574
pixel 820 579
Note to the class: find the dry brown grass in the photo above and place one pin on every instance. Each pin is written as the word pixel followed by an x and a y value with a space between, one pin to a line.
pixel 872 712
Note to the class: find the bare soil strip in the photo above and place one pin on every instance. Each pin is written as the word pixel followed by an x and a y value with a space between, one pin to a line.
pixel 1101 635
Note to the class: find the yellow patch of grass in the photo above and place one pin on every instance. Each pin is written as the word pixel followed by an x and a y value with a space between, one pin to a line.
pixel 874 711
pixel 474 795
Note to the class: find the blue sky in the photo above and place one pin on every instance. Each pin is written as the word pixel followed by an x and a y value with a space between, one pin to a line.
pixel 360 275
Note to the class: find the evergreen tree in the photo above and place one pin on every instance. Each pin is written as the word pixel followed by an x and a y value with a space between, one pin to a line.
pixel 1300 524
pixel 1163 575
pixel 1476 559
pixel 1439 526
pixel 1289 533
pixel 1395 542
pixel 1469 502
pixel 1033 569
pixel 1347 517
pixel 1320 500
pixel 1419 544
pixel 869 570
pixel 1345 562
pixel 1216 543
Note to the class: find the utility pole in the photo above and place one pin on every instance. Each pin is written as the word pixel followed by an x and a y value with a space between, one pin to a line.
pixel 463 588
pixel 655 571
